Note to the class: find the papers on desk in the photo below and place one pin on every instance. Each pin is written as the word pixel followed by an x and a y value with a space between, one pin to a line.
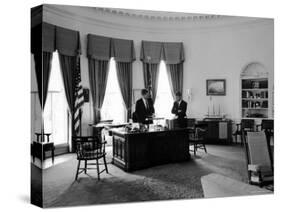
pixel 110 125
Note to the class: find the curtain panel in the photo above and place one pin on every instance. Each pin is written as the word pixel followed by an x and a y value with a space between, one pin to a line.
pixel 69 49
pixel 125 79
pixel 68 67
pixel 42 47
pixel 99 54
pixel 151 55
pixel 173 55
pixel 45 39
pixel 43 61
pixel 98 74
pixel 123 52
pixel 175 77
pixel 99 51
pixel 150 76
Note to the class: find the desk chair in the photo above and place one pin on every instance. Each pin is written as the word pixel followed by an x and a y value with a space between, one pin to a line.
pixel 191 122
pixel 259 167
pixel 267 126
pixel 90 148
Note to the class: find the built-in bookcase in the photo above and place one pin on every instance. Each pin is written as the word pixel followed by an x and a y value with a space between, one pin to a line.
pixel 255 98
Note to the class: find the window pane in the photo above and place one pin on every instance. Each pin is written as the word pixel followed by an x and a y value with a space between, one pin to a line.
pixel 55 111
pixel 113 106
pixel 164 100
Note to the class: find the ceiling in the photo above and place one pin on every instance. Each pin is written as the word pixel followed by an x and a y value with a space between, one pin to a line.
pixel 145 19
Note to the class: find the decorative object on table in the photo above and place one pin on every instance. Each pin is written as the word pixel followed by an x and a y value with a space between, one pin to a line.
pixel 215 87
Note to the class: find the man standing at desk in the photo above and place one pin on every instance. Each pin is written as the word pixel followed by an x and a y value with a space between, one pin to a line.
pixel 179 109
pixel 144 108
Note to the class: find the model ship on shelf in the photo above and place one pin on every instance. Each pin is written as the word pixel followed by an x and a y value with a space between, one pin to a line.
pixel 214 115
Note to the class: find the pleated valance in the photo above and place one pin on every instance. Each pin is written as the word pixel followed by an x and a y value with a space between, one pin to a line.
pixel 122 50
pixel 48 32
pixel 170 52
pixel 48 38
pixel 67 41
pixel 99 47
pixel 103 48
pixel 173 53
pixel 151 52
pixel 43 38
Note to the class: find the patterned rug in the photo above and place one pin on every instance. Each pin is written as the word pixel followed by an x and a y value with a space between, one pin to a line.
pixel 171 181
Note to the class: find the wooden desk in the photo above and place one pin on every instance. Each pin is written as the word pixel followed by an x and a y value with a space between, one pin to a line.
pixel 133 151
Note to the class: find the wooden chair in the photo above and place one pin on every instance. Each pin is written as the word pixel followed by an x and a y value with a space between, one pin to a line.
pixel 267 126
pixel 259 167
pixel 90 148
pixel 243 127
pixel 197 137
pixel 191 122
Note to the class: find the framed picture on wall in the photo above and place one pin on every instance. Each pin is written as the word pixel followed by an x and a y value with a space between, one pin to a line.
pixel 215 87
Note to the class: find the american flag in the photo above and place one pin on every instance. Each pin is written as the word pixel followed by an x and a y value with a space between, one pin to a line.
pixel 79 98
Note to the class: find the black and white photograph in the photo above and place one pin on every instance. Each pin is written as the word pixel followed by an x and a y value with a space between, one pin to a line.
pixel 131 105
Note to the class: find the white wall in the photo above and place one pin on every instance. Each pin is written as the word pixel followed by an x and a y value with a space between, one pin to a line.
pixel 220 51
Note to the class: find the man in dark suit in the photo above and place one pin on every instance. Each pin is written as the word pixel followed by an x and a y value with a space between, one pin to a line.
pixel 144 108
pixel 179 109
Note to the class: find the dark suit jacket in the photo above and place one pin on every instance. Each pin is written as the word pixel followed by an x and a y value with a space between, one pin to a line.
pixel 179 110
pixel 142 112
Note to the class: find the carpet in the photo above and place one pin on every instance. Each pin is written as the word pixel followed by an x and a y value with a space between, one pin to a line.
pixel 170 181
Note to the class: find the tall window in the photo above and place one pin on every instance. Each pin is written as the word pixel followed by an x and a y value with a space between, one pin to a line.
pixel 113 105
pixel 164 99
pixel 55 112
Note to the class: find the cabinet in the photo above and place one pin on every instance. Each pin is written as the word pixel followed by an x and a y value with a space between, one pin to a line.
pixel 254 98
pixel 218 131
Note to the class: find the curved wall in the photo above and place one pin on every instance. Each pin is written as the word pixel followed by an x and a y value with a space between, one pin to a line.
pixel 214 48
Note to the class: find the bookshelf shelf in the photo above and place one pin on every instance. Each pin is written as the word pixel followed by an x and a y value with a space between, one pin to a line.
pixel 254 98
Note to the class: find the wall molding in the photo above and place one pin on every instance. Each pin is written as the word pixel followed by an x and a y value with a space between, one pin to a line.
pixel 119 20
